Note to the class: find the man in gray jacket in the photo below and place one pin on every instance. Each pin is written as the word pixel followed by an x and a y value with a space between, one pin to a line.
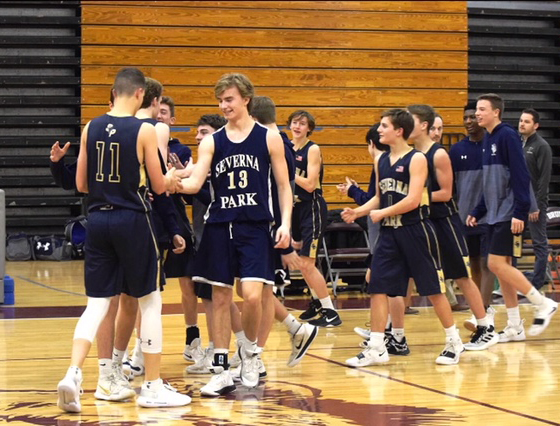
pixel 539 162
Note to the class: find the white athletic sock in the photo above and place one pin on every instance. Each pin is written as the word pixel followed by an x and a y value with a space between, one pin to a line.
pixel 137 351
pixel 451 331
pixel 376 340
pixel 154 385
pixel 484 322
pixel 513 315
pixel 326 303
pixel 398 334
pixel 105 367
pixel 535 297
pixel 240 336
pixel 211 345
pixel 292 324
pixel 313 294
pixel 118 356
pixel 250 347
pixel 73 371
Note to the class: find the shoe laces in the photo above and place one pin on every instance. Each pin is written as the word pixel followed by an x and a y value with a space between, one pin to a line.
pixel 477 335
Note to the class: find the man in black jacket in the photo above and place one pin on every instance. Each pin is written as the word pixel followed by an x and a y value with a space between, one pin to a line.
pixel 538 155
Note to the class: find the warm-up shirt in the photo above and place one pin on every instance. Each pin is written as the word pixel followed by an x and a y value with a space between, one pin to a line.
pixel 466 159
pixel 506 181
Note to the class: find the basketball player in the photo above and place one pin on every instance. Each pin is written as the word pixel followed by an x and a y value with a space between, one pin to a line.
pixel 309 218
pixel 447 224
pixel 506 202
pixel 236 238
pixel 407 244
pixel 180 265
pixel 116 150
pixel 466 159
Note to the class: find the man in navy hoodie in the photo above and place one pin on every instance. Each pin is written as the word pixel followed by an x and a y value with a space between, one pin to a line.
pixel 505 202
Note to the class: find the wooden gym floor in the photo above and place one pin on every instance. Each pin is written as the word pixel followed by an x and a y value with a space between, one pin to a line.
pixel 513 383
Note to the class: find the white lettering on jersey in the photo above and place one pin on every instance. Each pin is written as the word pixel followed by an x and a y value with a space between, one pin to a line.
pixel 238 200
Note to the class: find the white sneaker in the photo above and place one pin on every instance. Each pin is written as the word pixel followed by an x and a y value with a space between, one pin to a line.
pixel 127 371
pixel 137 363
pixel 483 339
pixel 543 314
pixel 249 368
pixel 219 384
pixel 451 353
pixel 471 324
pixel 110 388
pixel 69 390
pixel 301 341
pixel 161 396
pixel 369 356
pixel 512 332
pixel 202 366
pixel 194 351
pixel 235 360
pixel 236 372
pixel 362 332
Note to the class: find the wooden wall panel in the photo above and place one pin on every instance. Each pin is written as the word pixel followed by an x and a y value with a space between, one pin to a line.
pixel 344 61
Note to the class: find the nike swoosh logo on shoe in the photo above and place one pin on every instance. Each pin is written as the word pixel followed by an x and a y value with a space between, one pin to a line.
pixel 381 354
pixel 330 319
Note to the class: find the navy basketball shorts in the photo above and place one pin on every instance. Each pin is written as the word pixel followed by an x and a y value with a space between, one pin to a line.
pixel 121 254
pixel 281 274
pixel 454 253
pixel 236 249
pixel 404 252
pixel 203 290
pixel 179 265
pixel 502 242
pixel 477 240
pixel 309 220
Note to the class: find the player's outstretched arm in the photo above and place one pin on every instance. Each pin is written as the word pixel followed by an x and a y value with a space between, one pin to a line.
pixel 194 182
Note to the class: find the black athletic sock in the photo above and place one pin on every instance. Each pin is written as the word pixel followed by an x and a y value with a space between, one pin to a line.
pixel 193 332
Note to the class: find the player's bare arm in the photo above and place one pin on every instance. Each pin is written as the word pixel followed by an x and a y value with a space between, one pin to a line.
pixel 148 154
pixel 444 176
pixel 194 182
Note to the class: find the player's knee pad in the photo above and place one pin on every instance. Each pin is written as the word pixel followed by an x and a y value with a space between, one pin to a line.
pixel 89 322
pixel 151 329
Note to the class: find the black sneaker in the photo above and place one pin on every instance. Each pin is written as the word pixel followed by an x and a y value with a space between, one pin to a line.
pixel 395 347
pixel 328 318
pixel 312 311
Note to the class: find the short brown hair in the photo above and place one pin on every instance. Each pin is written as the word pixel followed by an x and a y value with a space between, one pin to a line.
pixel 400 119
pixel 263 110
pixel 302 113
pixel 241 81
pixel 424 113
pixel 495 100
pixel 167 100
pixel 154 89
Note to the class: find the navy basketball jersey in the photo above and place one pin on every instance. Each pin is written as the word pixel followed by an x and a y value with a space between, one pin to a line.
pixel 301 170
pixel 115 176
pixel 438 209
pixel 240 178
pixel 394 181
